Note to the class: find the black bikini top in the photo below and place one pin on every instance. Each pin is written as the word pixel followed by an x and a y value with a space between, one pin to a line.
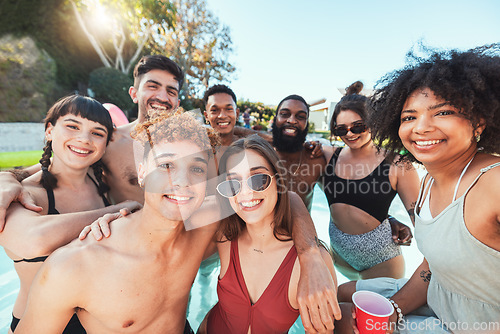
pixel 372 194
pixel 53 211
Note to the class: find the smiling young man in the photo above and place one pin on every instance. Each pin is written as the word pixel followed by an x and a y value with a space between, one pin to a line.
pixel 157 82
pixel 138 280
pixel 222 113
pixel 289 131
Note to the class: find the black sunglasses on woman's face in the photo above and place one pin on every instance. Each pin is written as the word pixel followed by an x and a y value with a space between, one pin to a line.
pixel 357 128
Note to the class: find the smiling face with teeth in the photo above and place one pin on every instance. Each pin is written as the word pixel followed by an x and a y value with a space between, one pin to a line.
pixel 433 130
pixel 348 118
pixel 221 112
pixel 252 206
pixel 76 141
pixel 290 126
pixel 156 92
pixel 175 178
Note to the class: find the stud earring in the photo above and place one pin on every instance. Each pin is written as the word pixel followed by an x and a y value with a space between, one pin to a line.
pixel 478 137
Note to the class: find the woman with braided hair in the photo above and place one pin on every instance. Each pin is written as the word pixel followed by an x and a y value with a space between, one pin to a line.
pixel 77 130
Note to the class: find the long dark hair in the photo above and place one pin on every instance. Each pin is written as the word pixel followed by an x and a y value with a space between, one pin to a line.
pixel 85 107
pixel 232 226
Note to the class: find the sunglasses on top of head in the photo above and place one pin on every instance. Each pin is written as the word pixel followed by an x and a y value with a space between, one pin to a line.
pixel 257 182
pixel 357 128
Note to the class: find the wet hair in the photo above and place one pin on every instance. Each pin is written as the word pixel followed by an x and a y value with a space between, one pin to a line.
pixel 468 80
pixel 232 226
pixel 85 107
pixel 158 62
pixel 216 89
pixel 179 126
pixel 294 97
pixel 354 102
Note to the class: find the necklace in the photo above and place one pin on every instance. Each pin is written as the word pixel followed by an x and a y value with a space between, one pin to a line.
pixel 298 167
pixel 258 250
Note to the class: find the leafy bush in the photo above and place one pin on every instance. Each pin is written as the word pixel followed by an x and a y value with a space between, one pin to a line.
pixel 111 86
pixel 262 114
pixel 27 80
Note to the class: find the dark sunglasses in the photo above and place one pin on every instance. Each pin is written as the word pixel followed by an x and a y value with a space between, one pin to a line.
pixel 357 128
pixel 257 182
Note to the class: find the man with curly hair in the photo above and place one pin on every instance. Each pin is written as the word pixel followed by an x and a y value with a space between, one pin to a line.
pixel 138 280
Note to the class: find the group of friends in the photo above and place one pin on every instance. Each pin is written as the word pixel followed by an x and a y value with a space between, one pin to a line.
pixel 183 191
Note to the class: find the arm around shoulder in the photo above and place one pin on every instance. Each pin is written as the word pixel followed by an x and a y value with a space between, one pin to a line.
pixel 29 234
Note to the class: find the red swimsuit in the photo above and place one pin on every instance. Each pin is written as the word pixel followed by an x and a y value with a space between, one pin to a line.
pixel 234 312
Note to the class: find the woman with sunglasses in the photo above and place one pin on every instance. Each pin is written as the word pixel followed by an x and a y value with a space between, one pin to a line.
pixel 360 182
pixel 259 273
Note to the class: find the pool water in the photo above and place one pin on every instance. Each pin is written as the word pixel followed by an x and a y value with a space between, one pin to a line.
pixel 203 293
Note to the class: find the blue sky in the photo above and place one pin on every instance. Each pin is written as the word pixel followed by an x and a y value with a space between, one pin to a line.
pixel 310 48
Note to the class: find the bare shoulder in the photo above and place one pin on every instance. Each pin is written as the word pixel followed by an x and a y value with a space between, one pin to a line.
pixel 32 180
pixel 121 137
pixel 329 150
pixel 67 262
pixel 489 182
pixel 35 189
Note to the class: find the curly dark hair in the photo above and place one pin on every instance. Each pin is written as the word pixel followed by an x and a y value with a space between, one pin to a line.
pixel 468 80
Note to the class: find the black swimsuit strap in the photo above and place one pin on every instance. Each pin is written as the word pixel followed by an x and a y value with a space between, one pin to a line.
pixel 52 203
pixel 104 199
pixel 35 259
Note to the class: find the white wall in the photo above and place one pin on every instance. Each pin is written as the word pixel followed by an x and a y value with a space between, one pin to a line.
pixel 21 137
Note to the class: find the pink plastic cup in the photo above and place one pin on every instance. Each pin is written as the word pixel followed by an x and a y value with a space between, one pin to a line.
pixel 372 312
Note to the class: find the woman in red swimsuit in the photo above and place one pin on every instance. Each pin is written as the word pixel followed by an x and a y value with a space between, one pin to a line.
pixel 257 286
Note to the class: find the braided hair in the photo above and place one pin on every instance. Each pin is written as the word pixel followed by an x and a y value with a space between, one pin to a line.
pixel 85 107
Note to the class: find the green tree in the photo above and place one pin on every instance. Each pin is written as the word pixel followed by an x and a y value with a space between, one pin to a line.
pixel 51 24
pixel 118 30
pixel 200 44
pixel 111 85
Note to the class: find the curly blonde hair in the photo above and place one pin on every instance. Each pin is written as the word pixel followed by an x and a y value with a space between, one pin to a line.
pixel 175 126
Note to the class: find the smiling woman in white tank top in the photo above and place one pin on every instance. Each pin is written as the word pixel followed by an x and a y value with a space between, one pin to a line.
pixel 445 112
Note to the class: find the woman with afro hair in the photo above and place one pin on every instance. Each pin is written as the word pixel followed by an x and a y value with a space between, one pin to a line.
pixel 443 111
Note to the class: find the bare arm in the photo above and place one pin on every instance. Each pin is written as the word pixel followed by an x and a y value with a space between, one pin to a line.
pixel 53 296
pixel 12 191
pixel 414 293
pixel 407 187
pixel 29 234
pixel 316 287
pixel 242 132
